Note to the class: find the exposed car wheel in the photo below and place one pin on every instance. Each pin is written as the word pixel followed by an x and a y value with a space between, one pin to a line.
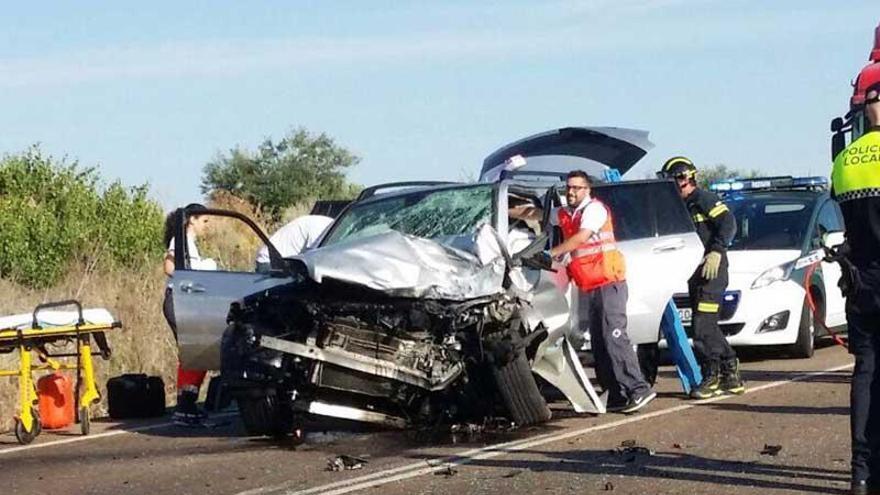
pixel 519 392
pixel 265 416
pixel 804 346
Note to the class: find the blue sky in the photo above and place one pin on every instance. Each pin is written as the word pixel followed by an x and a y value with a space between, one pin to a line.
pixel 424 90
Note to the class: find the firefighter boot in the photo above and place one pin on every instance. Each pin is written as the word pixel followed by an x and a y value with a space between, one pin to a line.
pixel 731 382
pixel 711 384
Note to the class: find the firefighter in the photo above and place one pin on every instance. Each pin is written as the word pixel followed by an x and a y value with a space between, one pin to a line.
pixel 596 266
pixel 716 227
pixel 856 187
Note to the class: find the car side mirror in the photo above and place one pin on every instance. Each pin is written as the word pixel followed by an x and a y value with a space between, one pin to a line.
pixel 838 143
pixel 833 239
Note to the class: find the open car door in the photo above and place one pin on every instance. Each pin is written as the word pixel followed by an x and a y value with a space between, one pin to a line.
pixel 659 244
pixel 591 149
pixel 202 297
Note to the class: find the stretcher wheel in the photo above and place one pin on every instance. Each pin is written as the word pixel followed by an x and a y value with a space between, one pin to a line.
pixel 85 421
pixel 25 437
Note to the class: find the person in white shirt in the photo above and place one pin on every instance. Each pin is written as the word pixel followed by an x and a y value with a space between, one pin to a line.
pixel 293 238
pixel 596 266
pixel 188 381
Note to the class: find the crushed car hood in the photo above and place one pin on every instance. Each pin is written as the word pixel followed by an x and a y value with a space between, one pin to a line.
pixel 406 266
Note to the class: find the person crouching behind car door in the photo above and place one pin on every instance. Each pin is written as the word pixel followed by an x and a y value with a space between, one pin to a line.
pixel 597 268
pixel 716 227
pixel 188 381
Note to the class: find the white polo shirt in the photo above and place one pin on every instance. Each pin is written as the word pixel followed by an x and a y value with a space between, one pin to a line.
pixel 593 215
pixel 195 261
pixel 296 236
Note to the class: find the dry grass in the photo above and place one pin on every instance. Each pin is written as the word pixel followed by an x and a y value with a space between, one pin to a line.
pixel 143 345
pixel 232 243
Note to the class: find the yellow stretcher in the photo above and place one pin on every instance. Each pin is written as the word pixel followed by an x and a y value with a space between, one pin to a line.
pixel 32 332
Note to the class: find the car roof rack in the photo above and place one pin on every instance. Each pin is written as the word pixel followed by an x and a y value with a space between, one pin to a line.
pixel 776 183
pixel 379 188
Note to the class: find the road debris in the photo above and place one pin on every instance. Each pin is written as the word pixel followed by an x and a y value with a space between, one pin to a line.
pixel 771 450
pixel 512 474
pixel 630 450
pixel 448 471
pixel 609 487
pixel 345 463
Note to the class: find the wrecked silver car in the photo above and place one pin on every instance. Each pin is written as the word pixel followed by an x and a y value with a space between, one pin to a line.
pixel 428 304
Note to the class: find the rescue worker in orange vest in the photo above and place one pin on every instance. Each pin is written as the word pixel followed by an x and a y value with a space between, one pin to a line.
pixel 597 267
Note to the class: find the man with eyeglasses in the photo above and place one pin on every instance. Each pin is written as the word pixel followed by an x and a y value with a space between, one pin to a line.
pixel 597 267
pixel 855 182
pixel 716 227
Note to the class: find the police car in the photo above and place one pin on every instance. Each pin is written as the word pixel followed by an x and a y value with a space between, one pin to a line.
pixel 775 258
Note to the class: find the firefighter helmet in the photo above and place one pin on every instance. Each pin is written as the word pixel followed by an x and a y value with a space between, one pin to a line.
pixel 678 166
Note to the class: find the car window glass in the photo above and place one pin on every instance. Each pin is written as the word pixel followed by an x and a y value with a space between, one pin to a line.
pixel 225 244
pixel 828 220
pixel 644 209
pixel 769 223
pixel 430 214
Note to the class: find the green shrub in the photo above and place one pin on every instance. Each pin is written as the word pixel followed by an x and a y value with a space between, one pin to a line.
pixel 53 213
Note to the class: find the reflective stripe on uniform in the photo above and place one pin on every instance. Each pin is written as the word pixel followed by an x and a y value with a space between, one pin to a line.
pixel 594 250
pixel 718 210
pixel 706 307
pixel 699 218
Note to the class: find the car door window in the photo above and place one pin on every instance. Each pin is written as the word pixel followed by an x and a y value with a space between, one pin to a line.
pixel 644 209
pixel 829 218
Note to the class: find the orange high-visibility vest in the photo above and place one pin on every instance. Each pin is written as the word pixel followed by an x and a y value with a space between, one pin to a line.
pixel 596 262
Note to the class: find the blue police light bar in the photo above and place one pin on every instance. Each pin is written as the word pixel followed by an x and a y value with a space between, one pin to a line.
pixel 755 184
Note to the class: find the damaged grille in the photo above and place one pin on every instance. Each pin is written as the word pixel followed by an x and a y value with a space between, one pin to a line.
pixel 372 343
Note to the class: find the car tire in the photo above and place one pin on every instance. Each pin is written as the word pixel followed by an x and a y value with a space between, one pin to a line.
pixel 519 392
pixel 264 416
pixel 804 346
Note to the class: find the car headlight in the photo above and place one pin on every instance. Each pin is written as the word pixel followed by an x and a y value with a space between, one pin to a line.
pixel 772 275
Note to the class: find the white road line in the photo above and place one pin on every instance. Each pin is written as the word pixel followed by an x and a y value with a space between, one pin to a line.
pixel 97 436
pixel 422 468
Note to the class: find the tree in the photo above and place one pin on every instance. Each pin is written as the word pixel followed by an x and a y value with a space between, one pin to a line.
pixel 715 173
pixel 300 167
pixel 54 214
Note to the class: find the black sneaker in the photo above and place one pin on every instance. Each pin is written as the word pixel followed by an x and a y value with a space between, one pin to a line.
pixel 187 412
pixel 731 381
pixel 616 404
pixel 638 402
pixel 711 384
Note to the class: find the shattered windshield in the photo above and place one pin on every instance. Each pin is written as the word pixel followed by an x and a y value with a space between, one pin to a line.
pixel 430 214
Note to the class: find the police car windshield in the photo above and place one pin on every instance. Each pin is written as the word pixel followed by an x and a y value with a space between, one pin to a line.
pixel 770 223
pixel 432 214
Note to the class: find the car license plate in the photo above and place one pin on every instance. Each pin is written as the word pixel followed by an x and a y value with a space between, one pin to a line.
pixel 685 314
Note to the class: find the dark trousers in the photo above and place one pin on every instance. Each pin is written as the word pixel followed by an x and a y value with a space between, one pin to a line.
pixel 617 368
pixel 864 344
pixel 710 346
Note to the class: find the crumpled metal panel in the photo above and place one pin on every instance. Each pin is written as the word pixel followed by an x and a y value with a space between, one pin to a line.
pixel 407 266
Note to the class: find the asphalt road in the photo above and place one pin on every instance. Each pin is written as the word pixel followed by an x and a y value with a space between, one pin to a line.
pixel 723 445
